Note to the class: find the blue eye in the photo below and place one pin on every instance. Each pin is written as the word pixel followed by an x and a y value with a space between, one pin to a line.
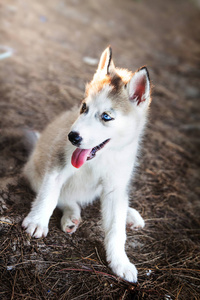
pixel 105 117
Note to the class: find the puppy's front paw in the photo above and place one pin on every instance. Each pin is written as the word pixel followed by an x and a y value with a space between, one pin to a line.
pixel 35 227
pixel 134 219
pixel 126 270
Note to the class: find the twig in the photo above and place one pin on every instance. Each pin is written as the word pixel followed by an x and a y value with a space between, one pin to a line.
pixel 89 270
pixel 179 292
pixel 13 287
pixel 98 256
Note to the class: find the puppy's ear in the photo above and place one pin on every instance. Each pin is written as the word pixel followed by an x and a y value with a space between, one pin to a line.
pixel 106 63
pixel 139 87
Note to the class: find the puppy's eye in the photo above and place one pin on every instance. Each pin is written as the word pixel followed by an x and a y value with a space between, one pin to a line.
pixel 84 108
pixel 105 117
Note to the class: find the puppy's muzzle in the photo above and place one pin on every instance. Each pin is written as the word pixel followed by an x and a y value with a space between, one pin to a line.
pixel 75 138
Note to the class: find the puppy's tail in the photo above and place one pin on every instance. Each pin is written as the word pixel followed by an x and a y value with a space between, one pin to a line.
pixel 30 138
pixel 19 138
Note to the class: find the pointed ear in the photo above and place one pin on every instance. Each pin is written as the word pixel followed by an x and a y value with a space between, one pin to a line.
pixel 106 64
pixel 139 87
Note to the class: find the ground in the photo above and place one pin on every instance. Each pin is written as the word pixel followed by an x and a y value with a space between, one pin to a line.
pixel 46 73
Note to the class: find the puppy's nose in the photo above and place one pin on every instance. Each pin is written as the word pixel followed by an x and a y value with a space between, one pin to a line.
pixel 75 138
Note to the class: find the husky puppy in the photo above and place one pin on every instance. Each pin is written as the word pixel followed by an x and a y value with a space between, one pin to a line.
pixel 90 153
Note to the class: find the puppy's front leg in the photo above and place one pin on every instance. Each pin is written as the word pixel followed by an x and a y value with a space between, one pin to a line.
pixel 36 223
pixel 114 213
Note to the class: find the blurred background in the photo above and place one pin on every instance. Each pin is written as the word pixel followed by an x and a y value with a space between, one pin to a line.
pixel 49 50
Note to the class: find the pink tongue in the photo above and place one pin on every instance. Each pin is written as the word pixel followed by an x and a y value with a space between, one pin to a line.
pixel 79 157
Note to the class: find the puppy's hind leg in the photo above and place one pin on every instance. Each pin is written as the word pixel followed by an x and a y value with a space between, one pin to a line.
pixel 71 218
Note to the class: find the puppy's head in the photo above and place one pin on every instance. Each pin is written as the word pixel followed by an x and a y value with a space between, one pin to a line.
pixel 113 112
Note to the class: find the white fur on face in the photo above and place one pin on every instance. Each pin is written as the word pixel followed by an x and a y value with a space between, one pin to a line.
pixel 94 130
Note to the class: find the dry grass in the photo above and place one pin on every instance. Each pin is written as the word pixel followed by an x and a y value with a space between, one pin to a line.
pixel 47 75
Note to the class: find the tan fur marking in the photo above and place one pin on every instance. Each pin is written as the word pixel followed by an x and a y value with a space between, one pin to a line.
pixel 97 85
pixel 117 81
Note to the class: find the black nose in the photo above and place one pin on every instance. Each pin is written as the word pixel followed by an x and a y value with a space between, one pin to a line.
pixel 75 138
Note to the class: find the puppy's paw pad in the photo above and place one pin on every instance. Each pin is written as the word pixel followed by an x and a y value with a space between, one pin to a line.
pixel 69 226
pixel 126 271
pixel 134 220
pixel 135 226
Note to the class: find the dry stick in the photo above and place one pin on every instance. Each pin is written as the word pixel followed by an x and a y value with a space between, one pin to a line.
pixel 172 269
pixel 98 256
pixel 179 292
pixel 13 287
pixel 124 295
pixel 132 286
pixel 8 223
pixel 4 248
pixel 89 270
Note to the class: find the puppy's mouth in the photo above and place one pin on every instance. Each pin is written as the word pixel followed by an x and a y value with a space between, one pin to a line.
pixel 80 156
